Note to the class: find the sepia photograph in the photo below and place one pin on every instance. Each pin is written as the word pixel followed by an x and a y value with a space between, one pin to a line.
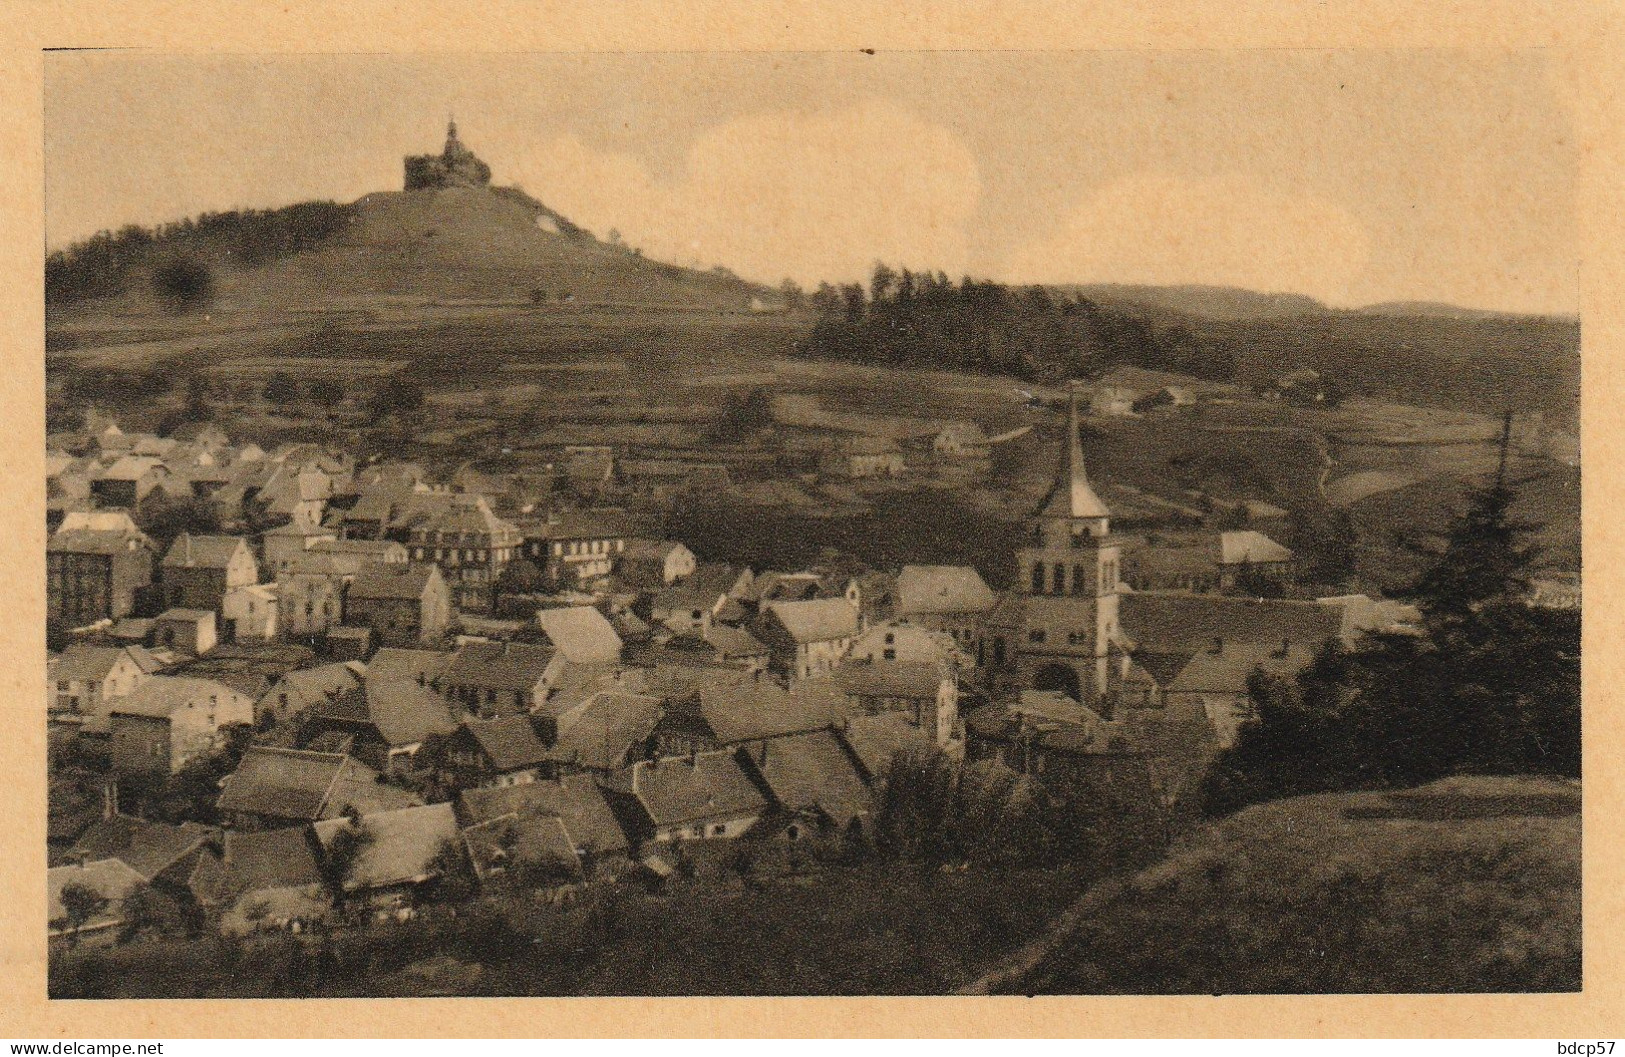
pixel 811 523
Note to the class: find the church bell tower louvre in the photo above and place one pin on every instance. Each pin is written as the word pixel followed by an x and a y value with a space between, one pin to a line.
pixel 1067 581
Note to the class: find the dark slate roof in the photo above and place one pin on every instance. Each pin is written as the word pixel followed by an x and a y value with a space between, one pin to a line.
pixel 282 783
pixel 748 709
pixel 391 663
pixel 497 665
pixel 611 725
pixel 252 862
pixel 148 848
pixel 510 741
pixel 1172 622
pixel 876 739
pixel 913 680
pixel 406 713
pixel 808 771
pixel 202 552
pixel 577 799
pixel 684 789
pixel 392 581
pixel 496 844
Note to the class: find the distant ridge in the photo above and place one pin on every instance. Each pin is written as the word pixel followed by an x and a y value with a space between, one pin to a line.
pixel 1211 302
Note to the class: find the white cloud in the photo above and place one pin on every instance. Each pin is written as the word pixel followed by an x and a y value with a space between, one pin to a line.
pixel 1158 228
pixel 810 195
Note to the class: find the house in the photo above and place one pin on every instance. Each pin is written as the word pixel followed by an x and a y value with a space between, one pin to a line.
pixel 596 835
pixel 264 879
pixel 1249 552
pixel 703 796
pixel 88 680
pixel 1068 746
pixel 305 688
pixel 423 667
pixel 199 571
pixel 403 604
pixel 607 730
pixel 691 604
pixel 1216 680
pixel 399 852
pixel 576 546
pixel 168 721
pixel 251 612
pixel 351 555
pixel 654 563
pixel 189 631
pixel 926 690
pixel 250 668
pixel 903 640
pixel 129 481
pixel 388 724
pixel 497 678
pixel 730 709
pixel 164 855
pixel 865 456
pixel 501 751
pixel 522 848
pixel 580 635
pixel 464 537
pixel 108 880
pixel 813 782
pixel 808 639
pixel 95 574
pixel 951 598
pixel 962 440
pixel 1170 628
pixel 876 740
pixel 310 604
pixel 286 544
pixel 348 644
pixel 277 787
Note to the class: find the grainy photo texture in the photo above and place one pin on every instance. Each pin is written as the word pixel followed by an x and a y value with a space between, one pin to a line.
pixel 811 524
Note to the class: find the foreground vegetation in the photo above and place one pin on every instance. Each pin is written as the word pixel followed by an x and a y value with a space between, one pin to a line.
pixel 1467 885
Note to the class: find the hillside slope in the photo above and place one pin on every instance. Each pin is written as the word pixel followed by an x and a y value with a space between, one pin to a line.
pixel 1469 884
pixel 452 244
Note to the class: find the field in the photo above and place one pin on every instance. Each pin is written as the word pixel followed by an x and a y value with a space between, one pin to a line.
pixel 1466 885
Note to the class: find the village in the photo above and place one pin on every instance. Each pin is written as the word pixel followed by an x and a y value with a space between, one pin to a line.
pixel 366 684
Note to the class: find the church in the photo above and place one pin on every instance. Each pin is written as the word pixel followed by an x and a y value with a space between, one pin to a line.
pixel 1058 629
pixel 454 166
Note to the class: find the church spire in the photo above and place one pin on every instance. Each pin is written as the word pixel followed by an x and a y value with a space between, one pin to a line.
pixel 1072 496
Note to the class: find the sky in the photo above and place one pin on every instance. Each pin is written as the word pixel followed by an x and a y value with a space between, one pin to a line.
pixel 1355 177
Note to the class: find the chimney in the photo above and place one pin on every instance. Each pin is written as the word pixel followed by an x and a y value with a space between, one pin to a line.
pixel 1218 644
pixel 1286 648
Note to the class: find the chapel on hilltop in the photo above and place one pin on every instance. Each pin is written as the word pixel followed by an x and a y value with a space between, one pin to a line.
pixel 455 166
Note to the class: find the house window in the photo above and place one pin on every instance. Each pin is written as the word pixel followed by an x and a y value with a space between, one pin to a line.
pixel 1058 580
pixel 890 655
pixel 1038 578
pixel 1035 635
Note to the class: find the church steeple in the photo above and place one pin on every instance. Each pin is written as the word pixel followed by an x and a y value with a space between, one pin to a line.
pixel 1071 497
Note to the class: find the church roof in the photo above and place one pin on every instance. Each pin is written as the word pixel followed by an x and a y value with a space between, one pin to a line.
pixel 1071 496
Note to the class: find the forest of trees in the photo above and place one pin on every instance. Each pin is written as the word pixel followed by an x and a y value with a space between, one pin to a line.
pixel 921 319
pixel 101 266
pixel 1490 686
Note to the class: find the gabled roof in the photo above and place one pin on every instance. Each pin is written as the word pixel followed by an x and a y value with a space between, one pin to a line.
pixel 402 848
pixel 817 619
pixel 91 541
pixel 84 663
pixel 899 679
pixel 296 784
pixel 406 713
pixel 608 728
pixel 203 552
pixel 648 550
pixel 1171 622
pixel 99 521
pixel 749 709
pixel 148 848
pixel 498 843
pixel 509 741
pixel 380 580
pixel 679 790
pixel 327 680
pixel 393 663
pixel 1248 545
pixel 132 468
pixel 258 861
pixel 942 589
pixel 1226 670
pixel 581 634
pixel 497 665
pixel 813 771
pixel 577 799
pixel 160 696
pixel 876 739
